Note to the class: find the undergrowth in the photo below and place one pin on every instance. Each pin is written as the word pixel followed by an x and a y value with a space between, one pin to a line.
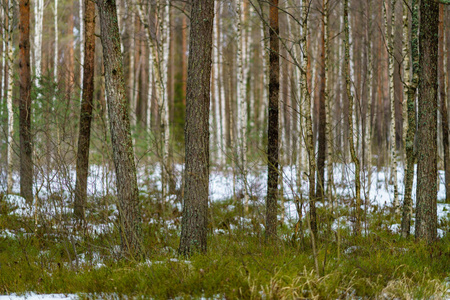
pixel 57 258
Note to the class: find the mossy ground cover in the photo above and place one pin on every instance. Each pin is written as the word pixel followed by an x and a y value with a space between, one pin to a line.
pixel 240 263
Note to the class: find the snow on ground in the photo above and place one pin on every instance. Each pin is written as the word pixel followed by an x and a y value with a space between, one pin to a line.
pixel 222 185
pixel 59 186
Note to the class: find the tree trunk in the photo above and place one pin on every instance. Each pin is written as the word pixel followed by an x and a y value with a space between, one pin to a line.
pixel 217 93
pixel 272 133
pixel 392 131
pixel 411 96
pixel 195 211
pixel 354 157
pixel 443 101
pixel 426 215
pixel 241 97
pixel 322 119
pixel 85 113
pixel 38 26
pixel 306 92
pixel 127 192
pixel 9 90
pixel 368 123
pixel 26 144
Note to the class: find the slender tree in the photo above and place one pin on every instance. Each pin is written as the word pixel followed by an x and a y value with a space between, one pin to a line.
pixel 26 144
pixel 9 92
pixel 392 131
pixel 86 111
pixel 411 87
pixel 272 133
pixel 195 211
pixel 322 120
pixel 426 202
pixel 306 92
pixel 127 192
pixel 348 81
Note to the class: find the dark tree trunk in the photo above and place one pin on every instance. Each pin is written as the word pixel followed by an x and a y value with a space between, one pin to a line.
pixel 426 215
pixel 443 100
pixel 320 188
pixel 195 211
pixel 272 132
pixel 86 112
pixel 123 156
pixel 26 145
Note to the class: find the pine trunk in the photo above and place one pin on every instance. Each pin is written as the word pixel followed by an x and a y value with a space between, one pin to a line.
pixel 426 215
pixel 195 211
pixel 127 192
pixel 443 101
pixel 26 144
pixel 272 133
pixel 85 113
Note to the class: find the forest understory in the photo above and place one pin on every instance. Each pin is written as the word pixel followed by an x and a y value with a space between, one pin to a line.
pixel 45 252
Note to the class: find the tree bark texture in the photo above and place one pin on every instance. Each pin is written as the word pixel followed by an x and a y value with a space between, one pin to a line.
pixel 195 211
pixel 443 102
pixel 322 120
pixel 354 157
pixel 411 88
pixel 272 132
pixel 306 93
pixel 426 215
pixel 26 144
pixel 86 112
pixel 127 192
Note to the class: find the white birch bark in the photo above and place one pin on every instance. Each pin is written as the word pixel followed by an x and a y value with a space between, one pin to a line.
pixel 38 27
pixel 216 98
pixel 393 148
pixel 9 99
pixel 329 118
pixel 406 75
pixel 81 46
pixel 221 67
pixel 241 98
pixel 3 71
pixel 55 59
pixel 164 97
pixel 131 73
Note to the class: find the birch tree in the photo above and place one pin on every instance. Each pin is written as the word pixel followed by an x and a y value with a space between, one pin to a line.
pixel 410 50
pixel 392 131
pixel 354 157
pixel 9 89
pixel 38 30
pixel 242 71
pixel 308 120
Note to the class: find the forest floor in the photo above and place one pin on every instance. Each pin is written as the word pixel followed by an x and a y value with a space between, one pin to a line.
pixel 42 252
